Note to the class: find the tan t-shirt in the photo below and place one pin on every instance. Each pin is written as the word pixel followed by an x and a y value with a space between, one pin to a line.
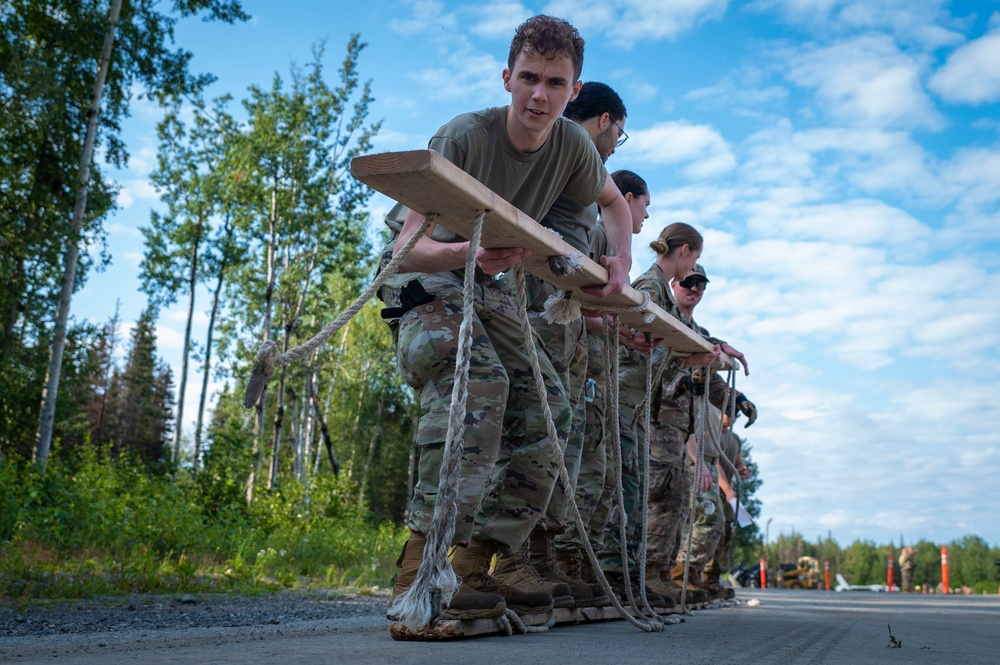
pixel 567 165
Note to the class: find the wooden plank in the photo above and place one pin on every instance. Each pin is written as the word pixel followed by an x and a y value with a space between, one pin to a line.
pixel 426 182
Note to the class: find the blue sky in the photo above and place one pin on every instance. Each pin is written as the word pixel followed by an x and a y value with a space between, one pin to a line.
pixel 842 159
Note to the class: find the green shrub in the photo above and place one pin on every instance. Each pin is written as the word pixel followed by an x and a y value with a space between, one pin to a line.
pixel 100 522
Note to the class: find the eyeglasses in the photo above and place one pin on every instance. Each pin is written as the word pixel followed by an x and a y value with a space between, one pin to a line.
pixel 693 284
pixel 622 136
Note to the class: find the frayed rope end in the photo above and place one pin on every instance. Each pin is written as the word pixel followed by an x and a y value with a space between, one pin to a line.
pixel 263 370
pixel 561 309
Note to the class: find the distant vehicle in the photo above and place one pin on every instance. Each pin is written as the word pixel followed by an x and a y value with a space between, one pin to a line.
pixel 804 574
pixel 745 576
pixel 842 585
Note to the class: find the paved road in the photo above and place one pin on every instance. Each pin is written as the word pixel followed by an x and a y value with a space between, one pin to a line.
pixel 788 627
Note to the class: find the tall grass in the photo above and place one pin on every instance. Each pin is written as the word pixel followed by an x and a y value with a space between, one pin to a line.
pixel 98 523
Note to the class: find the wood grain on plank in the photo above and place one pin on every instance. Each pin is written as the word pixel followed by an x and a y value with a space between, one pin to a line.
pixel 426 182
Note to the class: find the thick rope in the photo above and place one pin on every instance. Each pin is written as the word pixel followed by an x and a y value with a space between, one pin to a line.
pixel 700 403
pixel 436 582
pixel 644 482
pixel 528 333
pixel 268 359
pixel 612 425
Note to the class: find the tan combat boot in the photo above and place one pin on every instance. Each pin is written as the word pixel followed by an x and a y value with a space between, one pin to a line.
pixel 542 554
pixel 662 584
pixel 695 594
pixel 713 584
pixel 577 567
pixel 467 604
pixel 656 600
pixel 472 563
pixel 516 569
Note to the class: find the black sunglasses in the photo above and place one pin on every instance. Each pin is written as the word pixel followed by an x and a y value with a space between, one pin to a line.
pixel 693 283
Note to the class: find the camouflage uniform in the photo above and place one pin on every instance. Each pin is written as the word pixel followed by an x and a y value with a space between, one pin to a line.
pixel 592 495
pixel 709 521
pixel 669 480
pixel 566 347
pixel 587 432
pixel 506 481
pixel 717 565
pixel 907 565
pixel 632 392
pixel 427 345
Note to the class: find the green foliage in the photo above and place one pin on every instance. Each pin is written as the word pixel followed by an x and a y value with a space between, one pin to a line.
pixel 49 51
pixel 99 521
pixel 749 540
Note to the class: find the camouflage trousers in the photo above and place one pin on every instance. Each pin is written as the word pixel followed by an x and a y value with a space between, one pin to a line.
pixel 592 498
pixel 632 427
pixel 669 493
pixel 566 348
pixel 505 480
pixel 708 523
pixel 719 562
pixel 907 579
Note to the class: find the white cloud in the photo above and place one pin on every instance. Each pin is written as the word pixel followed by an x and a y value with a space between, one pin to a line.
pixel 122 229
pixel 179 315
pixel 141 161
pixel 701 149
pixel 136 190
pixel 388 140
pixel 428 17
pixel 972 73
pixel 168 338
pixel 774 156
pixel 498 19
pixel 629 22
pixel 878 161
pixel 854 222
pixel 744 90
pixel 866 80
pixel 134 258
pixel 639 91
pixel 467 76
pixel 922 22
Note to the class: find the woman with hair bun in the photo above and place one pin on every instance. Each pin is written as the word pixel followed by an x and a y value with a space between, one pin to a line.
pixel 677 248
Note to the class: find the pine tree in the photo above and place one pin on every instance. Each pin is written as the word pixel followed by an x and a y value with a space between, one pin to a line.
pixel 145 405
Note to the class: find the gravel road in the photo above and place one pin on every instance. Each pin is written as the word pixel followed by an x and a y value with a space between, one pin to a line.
pixel 146 613
pixel 785 627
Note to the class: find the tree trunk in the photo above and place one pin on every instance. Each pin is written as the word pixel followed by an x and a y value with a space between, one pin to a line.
pixel 325 433
pixel 107 376
pixel 289 323
pixel 258 450
pixel 182 388
pixel 206 368
pixel 357 416
pixel 43 439
pixel 305 446
pixel 371 455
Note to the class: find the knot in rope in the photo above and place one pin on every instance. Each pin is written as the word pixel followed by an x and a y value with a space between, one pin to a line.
pixel 264 368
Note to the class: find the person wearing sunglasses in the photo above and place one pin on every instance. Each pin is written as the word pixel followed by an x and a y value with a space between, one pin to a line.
pixel 708 524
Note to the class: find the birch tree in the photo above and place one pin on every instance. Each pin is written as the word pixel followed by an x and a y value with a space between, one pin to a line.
pixel 305 212
pixel 61 108
pixel 189 179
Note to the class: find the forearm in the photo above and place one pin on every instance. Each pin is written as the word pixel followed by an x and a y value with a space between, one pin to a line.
pixel 724 485
pixel 428 255
pixel 692 448
pixel 594 325
pixel 618 224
